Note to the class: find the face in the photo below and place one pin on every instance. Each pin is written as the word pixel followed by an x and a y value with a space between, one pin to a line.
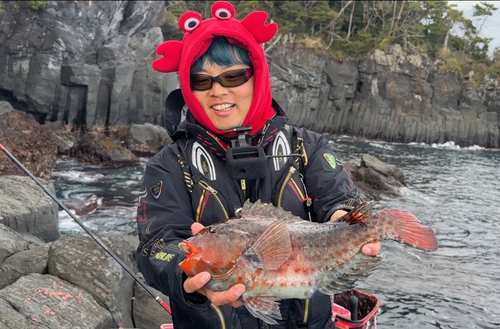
pixel 226 107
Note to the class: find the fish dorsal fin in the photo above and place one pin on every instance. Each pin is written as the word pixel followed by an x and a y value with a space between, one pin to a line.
pixel 259 209
pixel 272 248
pixel 361 213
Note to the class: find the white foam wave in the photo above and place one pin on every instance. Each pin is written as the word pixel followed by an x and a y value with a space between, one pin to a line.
pixel 77 176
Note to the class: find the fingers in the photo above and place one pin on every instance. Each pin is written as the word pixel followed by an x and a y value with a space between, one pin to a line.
pixel 229 296
pixel 196 282
pixel 371 249
pixel 336 215
pixel 196 227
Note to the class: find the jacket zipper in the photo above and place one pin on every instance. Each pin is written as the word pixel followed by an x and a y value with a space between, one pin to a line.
pixel 282 189
pixel 209 190
pixel 306 311
pixel 219 314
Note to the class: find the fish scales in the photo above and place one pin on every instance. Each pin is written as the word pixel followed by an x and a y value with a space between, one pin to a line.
pixel 277 255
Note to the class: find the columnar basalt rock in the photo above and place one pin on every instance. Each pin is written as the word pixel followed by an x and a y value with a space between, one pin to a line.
pixel 84 62
pixel 391 96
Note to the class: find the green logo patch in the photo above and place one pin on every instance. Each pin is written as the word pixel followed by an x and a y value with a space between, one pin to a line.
pixel 330 159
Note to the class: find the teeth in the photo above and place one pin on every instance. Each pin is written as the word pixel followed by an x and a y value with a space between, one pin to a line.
pixel 222 107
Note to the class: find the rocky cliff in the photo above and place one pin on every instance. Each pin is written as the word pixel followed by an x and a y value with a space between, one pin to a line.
pixel 88 63
pixel 84 62
pixel 390 96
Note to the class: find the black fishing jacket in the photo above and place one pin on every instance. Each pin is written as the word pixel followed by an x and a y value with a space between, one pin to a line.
pixel 187 181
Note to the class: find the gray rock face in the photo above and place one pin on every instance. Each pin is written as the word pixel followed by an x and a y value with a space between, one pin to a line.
pixel 81 262
pixel 147 312
pixel 84 62
pixel 147 139
pixel 390 96
pixel 45 301
pixel 27 209
pixel 72 283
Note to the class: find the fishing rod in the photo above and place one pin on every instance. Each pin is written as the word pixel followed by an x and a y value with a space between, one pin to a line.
pixel 89 232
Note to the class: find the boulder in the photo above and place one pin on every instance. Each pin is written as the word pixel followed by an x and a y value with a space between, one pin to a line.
pixel 12 242
pixel 27 209
pixel 147 312
pixel 147 139
pixel 375 178
pixel 31 143
pixel 23 263
pixel 20 254
pixel 81 262
pixel 84 206
pixel 46 301
pixel 100 150
pixel 5 107
pixel 65 139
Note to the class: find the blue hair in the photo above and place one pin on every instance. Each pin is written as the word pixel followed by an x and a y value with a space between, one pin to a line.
pixel 222 53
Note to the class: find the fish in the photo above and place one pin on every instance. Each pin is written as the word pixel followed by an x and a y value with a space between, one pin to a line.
pixel 278 255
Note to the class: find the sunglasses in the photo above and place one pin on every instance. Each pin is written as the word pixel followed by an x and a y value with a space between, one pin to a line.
pixel 233 78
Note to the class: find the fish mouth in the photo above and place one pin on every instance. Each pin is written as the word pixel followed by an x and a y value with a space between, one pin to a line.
pixel 187 247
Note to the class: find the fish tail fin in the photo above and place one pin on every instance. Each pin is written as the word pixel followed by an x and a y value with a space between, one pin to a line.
pixel 405 227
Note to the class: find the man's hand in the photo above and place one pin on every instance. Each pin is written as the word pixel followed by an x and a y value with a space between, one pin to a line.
pixel 197 283
pixel 369 249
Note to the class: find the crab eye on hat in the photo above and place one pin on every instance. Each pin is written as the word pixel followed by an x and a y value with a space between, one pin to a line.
pixel 189 21
pixel 223 10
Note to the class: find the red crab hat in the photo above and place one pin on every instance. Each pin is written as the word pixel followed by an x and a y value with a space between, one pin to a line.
pixel 248 34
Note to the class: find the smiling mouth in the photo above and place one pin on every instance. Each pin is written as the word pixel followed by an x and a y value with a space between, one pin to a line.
pixel 223 107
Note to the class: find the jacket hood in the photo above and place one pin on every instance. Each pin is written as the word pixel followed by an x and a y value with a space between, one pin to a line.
pixel 248 34
pixel 180 123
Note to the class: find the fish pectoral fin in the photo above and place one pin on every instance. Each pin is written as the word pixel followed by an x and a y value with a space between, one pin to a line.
pixel 361 213
pixel 265 308
pixel 338 282
pixel 272 248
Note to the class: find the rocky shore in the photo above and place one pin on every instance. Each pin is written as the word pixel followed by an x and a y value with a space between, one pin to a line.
pixel 53 281
pixel 49 281
pixel 88 63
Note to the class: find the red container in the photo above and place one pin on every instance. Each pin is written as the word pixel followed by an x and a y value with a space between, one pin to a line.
pixel 167 326
pixel 368 306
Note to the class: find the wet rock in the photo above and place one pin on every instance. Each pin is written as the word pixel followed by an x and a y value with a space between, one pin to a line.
pixel 98 149
pixel 147 139
pixel 49 302
pixel 31 143
pixel 84 206
pixel 375 178
pixel 81 262
pixel 27 209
